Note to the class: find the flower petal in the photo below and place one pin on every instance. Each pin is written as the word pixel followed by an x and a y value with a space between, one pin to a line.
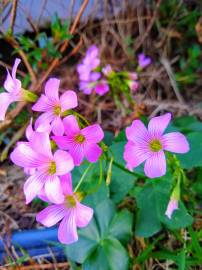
pixel 51 215
pixel 172 206
pixel 57 126
pixel 155 166
pixel 52 89
pixel 64 162
pixel 92 152
pixel 33 185
pixel 93 133
pixel 29 130
pixel 68 100
pixel 66 184
pixel 137 132
pixel 102 88
pixel 5 101
pixel 63 142
pixel 43 104
pixel 175 142
pixel 158 124
pixel 15 66
pixel 134 155
pixel 71 125
pixel 83 215
pixel 40 141
pixel 45 118
pixel 67 232
pixel 53 189
pixel 77 153
pixel 25 157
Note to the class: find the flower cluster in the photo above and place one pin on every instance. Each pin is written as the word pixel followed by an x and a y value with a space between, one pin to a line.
pixel 59 140
pixel 90 75
pixel 53 148
pixel 94 77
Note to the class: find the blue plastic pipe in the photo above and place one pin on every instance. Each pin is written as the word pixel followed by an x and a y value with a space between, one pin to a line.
pixel 35 243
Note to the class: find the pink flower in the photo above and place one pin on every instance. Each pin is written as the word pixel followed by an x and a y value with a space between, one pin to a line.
pixel 172 206
pixel 49 167
pixel 149 144
pixel 90 62
pixel 107 70
pixel 143 60
pixel 38 128
pixel 29 132
pixel 70 212
pixel 134 85
pixel 102 88
pixel 13 87
pixel 80 142
pixel 53 106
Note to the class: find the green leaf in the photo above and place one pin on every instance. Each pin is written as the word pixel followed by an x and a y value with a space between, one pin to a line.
pixel 152 200
pixel 118 187
pixel 115 253
pixel 104 213
pixel 121 226
pixel 193 158
pixel 97 260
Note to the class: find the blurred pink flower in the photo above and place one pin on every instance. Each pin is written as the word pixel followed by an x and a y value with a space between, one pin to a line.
pixel 53 106
pixel 172 206
pixel 89 63
pixel 80 142
pixel 13 87
pixel 70 212
pixel 37 155
pixel 143 60
pixel 149 145
pixel 102 88
pixel 107 70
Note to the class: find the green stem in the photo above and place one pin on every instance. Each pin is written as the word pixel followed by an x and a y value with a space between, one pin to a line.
pixel 81 117
pixel 82 177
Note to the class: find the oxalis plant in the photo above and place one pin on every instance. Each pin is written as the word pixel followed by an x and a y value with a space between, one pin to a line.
pixel 87 178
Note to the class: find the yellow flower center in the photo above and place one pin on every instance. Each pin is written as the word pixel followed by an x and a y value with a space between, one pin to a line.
pixel 70 201
pixel 52 168
pixel 155 146
pixel 79 138
pixel 57 110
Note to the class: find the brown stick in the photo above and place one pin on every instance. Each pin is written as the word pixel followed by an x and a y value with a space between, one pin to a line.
pixel 144 36
pixel 13 15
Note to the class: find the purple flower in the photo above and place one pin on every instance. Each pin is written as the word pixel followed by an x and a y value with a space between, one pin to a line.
pixel 49 167
pixel 107 70
pixel 13 87
pixel 102 87
pixel 80 142
pixel 53 106
pixel 143 60
pixel 172 206
pixel 134 85
pixel 149 144
pixel 70 212
pixel 29 132
pixel 89 63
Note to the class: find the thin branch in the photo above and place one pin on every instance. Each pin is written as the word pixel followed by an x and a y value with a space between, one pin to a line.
pixel 171 76
pixel 15 45
pixel 144 36
pixel 13 15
